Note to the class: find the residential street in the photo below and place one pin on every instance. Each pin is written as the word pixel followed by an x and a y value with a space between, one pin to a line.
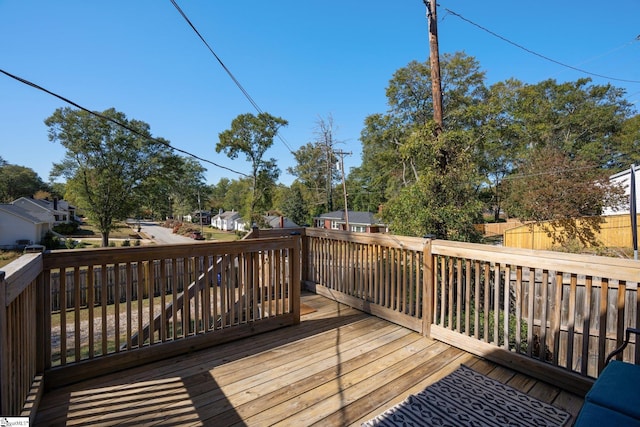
pixel 162 235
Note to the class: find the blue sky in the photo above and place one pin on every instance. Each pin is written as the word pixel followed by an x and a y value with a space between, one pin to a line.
pixel 300 60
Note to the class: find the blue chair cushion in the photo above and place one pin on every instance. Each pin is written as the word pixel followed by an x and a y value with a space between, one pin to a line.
pixel 618 388
pixel 599 416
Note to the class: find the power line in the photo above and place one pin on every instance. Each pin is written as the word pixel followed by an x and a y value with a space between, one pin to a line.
pixel 226 69
pixel 116 122
pixel 536 53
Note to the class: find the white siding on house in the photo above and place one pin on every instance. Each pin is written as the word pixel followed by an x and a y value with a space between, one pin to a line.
pixel 624 178
pixel 225 220
pixel 17 224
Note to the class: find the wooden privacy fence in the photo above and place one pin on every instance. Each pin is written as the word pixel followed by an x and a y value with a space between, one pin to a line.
pixel 615 232
pixel 557 315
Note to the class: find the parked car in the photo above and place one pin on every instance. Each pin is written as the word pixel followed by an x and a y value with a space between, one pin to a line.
pixel 196 235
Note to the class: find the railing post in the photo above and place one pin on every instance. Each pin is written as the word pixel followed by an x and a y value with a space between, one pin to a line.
pixel 295 278
pixel 427 290
pixel 43 323
pixel 304 256
pixel 4 349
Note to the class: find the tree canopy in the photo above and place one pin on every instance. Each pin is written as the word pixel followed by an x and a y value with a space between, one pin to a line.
pixel 440 185
pixel 253 136
pixel 105 164
pixel 18 181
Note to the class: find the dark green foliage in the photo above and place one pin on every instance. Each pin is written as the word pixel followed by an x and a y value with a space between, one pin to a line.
pixel 67 228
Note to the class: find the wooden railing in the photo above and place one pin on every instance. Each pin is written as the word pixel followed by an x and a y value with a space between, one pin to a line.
pixel 21 336
pixel 550 315
pixel 164 301
pixel 554 314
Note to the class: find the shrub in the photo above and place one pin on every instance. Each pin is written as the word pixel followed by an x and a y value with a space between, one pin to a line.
pixel 66 228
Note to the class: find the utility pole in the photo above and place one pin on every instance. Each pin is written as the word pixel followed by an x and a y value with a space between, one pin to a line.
pixel 434 57
pixel 344 186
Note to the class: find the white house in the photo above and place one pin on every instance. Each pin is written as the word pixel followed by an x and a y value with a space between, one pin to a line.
pixel 225 220
pixel 241 225
pixel 19 227
pixel 624 178
pixel 53 211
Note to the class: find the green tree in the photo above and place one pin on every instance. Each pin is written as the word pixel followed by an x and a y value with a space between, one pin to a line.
pixel 105 163
pixel 218 193
pixel 253 136
pixel 578 118
pixel 18 181
pixel 315 167
pixel 553 188
pixel 292 203
pixel 441 202
pixel 430 185
pixel 628 144
pixel 238 196
pixel 498 141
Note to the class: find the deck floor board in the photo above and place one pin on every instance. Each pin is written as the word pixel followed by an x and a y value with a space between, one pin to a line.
pixel 338 367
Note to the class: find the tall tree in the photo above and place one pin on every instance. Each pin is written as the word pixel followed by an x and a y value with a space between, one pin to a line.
pixel 292 204
pixel 253 136
pixel 104 162
pixel 578 118
pixel 628 144
pixel 218 193
pixel 18 181
pixel 430 183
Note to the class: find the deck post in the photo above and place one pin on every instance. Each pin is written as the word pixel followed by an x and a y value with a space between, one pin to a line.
pixel 294 273
pixel 427 289
pixel 304 256
pixel 5 382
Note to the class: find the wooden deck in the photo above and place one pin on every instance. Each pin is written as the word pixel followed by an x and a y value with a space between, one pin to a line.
pixel 338 367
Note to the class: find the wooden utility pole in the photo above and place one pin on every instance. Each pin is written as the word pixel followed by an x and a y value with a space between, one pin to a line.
pixel 434 57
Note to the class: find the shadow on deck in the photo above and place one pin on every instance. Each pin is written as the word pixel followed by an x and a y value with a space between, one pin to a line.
pixel 338 367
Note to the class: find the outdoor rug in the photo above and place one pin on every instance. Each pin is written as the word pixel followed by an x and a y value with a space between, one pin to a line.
pixel 467 398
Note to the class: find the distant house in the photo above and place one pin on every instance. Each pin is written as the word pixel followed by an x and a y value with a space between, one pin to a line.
pixel 362 222
pixel 241 225
pixel 279 221
pixel 196 215
pixel 624 178
pixel 19 227
pixel 225 220
pixel 52 211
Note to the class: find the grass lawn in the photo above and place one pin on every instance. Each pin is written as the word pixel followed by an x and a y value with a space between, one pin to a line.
pixel 88 230
pixel 223 236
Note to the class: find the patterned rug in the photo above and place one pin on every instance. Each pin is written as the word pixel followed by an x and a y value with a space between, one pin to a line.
pixel 467 398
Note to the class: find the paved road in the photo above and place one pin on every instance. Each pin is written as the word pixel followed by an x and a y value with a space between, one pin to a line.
pixel 162 235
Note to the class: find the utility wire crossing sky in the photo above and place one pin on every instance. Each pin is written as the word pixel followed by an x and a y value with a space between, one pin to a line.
pixel 189 69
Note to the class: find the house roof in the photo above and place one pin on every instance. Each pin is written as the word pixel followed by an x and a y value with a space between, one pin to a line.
pixel 46 204
pixel 227 215
pixel 355 217
pixel 274 222
pixel 21 213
